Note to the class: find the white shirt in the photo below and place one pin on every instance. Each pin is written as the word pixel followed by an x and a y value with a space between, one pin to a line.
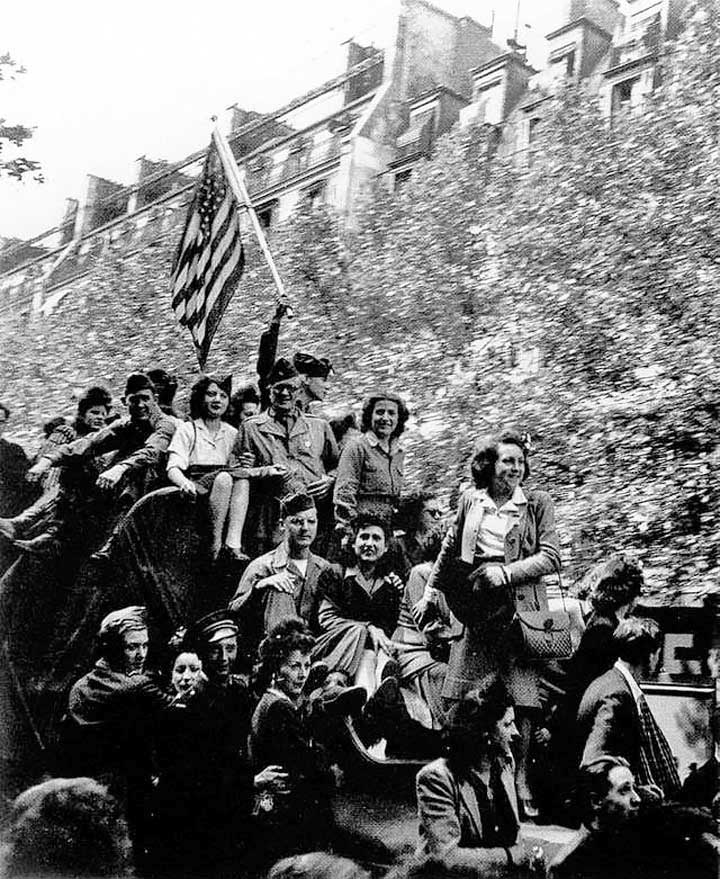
pixel 487 525
pixel 301 565
pixel 193 444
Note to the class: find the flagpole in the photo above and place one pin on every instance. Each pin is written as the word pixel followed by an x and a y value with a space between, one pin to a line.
pixel 241 193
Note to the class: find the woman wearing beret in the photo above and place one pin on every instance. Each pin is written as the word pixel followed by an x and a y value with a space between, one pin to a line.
pixel 502 542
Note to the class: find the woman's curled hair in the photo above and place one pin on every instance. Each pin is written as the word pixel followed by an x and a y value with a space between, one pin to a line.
pixel 198 391
pixel 285 637
pixel 369 405
pixel 482 466
pixel 470 732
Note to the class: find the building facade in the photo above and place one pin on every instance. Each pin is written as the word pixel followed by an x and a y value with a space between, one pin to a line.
pixel 377 120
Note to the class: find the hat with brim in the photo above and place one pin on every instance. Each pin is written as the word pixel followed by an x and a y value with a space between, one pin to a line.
pixel 215 626
pixel 312 367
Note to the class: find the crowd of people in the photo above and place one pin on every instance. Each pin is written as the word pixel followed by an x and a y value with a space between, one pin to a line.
pixel 361 612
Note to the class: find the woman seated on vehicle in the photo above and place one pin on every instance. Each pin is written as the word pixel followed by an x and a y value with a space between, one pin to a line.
pixel 422 639
pixel 370 475
pixel 466 800
pixel 490 566
pixel 296 817
pixel 199 462
pixel 421 516
pixel 359 609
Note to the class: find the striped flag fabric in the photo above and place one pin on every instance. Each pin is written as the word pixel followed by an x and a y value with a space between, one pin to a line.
pixel 210 257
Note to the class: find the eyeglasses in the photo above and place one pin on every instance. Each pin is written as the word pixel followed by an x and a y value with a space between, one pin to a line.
pixel 281 387
pixel 435 514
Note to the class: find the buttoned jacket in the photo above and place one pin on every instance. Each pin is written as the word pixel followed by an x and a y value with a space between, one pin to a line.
pixel 306 593
pixel 308 449
pixel 450 823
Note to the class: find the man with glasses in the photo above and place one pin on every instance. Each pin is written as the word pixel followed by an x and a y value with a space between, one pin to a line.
pixel 300 451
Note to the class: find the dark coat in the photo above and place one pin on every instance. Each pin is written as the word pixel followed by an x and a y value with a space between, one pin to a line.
pixel 203 799
pixel 346 611
pixel 301 819
pixel 608 721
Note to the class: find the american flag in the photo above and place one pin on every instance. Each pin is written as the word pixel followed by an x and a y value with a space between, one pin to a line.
pixel 210 257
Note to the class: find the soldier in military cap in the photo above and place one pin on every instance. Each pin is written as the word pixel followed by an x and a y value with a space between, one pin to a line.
pixel 298 450
pixel 314 373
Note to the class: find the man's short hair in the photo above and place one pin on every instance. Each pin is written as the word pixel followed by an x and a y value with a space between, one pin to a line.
pixel 594 782
pixel 371 520
pixel 6 412
pixel 636 639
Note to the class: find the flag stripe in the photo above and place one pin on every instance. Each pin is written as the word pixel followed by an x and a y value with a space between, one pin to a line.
pixel 209 259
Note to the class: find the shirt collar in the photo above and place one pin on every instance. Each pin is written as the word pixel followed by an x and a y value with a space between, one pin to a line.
pixel 396 442
pixel 517 500
pixel 631 682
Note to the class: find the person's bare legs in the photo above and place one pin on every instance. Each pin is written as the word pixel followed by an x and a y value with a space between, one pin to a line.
pixel 219 502
pixel 239 502
pixel 523 720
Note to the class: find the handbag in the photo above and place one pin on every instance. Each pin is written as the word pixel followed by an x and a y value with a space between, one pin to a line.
pixel 545 633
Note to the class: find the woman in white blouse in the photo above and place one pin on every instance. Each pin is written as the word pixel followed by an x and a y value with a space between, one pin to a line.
pixel 199 462
pixel 492 559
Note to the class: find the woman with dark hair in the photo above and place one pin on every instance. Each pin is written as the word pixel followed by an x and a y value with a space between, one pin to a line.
pixel 370 474
pixel 466 800
pixel 359 608
pixel 298 818
pixel 244 403
pixel 419 643
pixel 502 542
pixel 420 519
pixel 613 585
pixel 199 462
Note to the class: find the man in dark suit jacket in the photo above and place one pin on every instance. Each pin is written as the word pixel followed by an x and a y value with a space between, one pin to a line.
pixel 609 717
pixel 283 582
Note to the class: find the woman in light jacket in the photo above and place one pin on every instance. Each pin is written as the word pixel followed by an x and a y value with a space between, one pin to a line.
pixel 502 542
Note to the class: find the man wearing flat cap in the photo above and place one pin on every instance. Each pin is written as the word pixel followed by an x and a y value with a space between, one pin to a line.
pixel 314 373
pixel 283 582
pixel 111 714
pixel 300 448
pixel 225 783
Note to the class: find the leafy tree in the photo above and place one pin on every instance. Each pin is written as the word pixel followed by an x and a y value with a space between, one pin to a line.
pixel 574 295
pixel 15 134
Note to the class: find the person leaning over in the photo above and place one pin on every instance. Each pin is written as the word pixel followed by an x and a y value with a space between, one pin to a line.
pixel 140 442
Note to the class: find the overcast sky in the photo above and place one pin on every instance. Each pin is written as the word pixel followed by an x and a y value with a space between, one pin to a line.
pixel 107 83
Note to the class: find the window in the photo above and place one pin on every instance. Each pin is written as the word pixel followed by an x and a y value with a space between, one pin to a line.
pixel 533 123
pixel 401 178
pixel 265 214
pixel 315 194
pixel 626 97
